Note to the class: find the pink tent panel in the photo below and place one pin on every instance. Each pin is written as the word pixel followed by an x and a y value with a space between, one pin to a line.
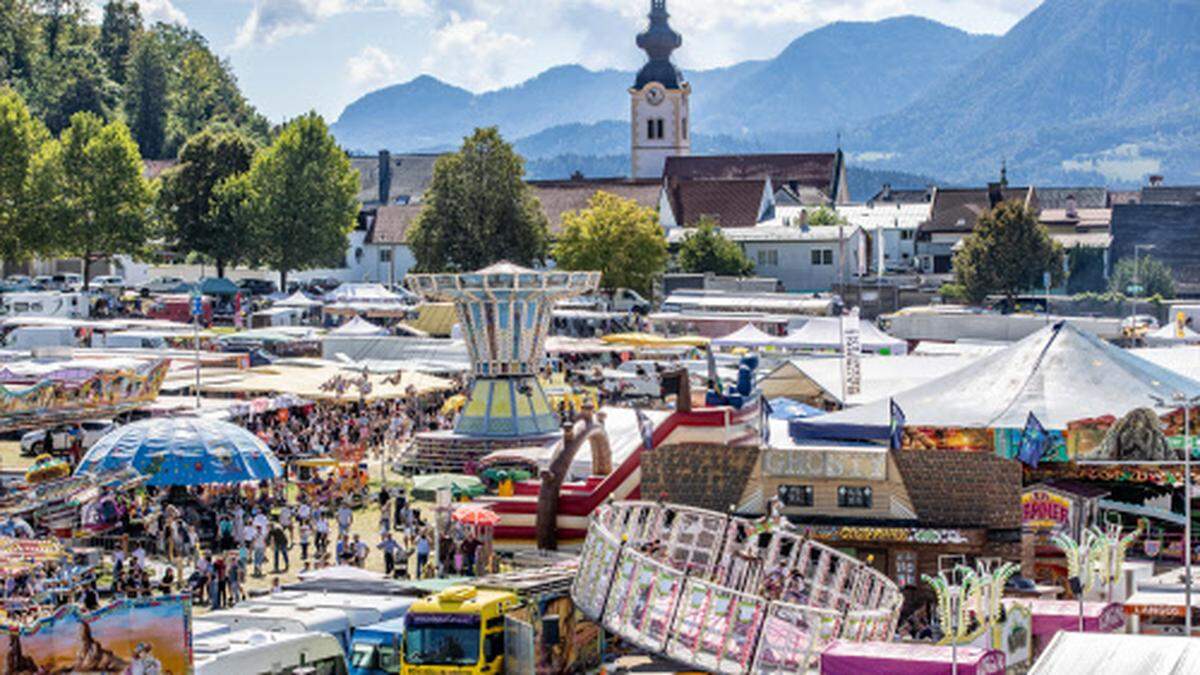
pixel 1051 616
pixel 854 658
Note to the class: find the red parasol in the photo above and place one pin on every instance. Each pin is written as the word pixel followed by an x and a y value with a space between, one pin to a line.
pixel 475 514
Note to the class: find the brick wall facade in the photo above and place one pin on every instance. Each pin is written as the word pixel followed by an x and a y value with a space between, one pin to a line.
pixel 702 475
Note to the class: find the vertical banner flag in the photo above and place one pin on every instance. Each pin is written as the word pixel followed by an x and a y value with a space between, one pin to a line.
pixel 1033 442
pixel 852 352
pixel 646 428
pixel 896 426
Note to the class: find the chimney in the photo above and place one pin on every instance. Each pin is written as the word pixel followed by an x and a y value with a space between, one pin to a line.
pixel 886 193
pixel 577 176
pixel 1156 181
pixel 995 194
pixel 385 177
pixel 1072 207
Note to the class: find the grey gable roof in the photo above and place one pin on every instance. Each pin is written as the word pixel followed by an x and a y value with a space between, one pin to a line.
pixel 411 176
pixel 1085 197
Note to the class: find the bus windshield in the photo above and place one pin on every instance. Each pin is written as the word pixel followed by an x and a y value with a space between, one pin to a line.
pixel 441 639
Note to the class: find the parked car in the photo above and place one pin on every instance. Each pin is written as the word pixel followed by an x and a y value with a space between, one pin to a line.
pixel 257 286
pixel 57 440
pixel 44 282
pixel 111 283
pixel 163 285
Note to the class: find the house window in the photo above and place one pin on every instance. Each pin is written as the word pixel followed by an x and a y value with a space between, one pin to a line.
pixel 906 234
pixel 385 255
pixel 683 122
pixel 650 129
pixel 906 568
pixel 854 497
pixel 796 495
pixel 768 258
pixel 659 124
pixel 816 256
pixel 822 256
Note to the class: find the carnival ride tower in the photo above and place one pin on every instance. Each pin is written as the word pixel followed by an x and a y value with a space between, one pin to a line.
pixel 504 311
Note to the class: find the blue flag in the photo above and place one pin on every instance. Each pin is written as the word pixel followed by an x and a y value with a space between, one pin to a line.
pixel 646 427
pixel 1033 442
pixel 896 425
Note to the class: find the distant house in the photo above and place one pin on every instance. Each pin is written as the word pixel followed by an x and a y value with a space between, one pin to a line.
pixel 732 203
pixel 803 259
pixel 1077 217
pixel 1173 230
pixel 889 195
pixel 386 254
pixel 393 179
pixel 809 179
pixel 558 197
pixel 953 215
pixel 891 225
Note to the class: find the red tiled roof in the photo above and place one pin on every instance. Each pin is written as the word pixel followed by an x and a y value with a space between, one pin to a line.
pixel 814 170
pixel 392 224
pixel 559 197
pixel 732 203
pixel 951 488
pixel 957 210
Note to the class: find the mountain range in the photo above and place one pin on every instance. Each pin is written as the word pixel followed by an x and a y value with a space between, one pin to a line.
pixel 1079 91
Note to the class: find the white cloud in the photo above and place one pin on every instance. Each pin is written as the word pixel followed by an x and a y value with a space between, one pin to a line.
pixel 469 53
pixel 154 11
pixel 372 67
pixel 1122 163
pixel 273 20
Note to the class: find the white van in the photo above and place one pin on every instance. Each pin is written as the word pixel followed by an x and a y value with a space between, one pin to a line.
pixel 285 619
pixel 137 339
pixel 62 305
pixel 37 337
pixel 255 651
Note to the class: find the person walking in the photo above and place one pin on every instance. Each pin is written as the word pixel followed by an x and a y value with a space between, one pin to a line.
pixel 305 535
pixel 345 518
pixel 279 544
pixel 422 553
pixel 389 547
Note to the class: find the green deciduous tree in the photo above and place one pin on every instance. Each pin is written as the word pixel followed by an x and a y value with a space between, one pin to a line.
pixel 187 197
pixel 205 92
pixel 21 137
pixel 18 40
pixel 824 215
pixel 146 94
pixel 1007 253
pixel 478 210
pixel 302 198
pixel 617 237
pixel 1151 274
pixel 118 32
pixel 705 249
pixel 90 188
pixel 73 82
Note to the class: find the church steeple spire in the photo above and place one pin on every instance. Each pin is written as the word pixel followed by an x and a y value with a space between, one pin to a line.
pixel 659 41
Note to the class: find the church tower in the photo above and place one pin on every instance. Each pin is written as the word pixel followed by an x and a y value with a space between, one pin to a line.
pixel 658 100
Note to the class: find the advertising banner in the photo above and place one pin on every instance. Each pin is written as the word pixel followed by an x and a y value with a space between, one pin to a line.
pixel 150 635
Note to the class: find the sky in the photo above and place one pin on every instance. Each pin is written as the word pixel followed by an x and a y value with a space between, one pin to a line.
pixel 292 56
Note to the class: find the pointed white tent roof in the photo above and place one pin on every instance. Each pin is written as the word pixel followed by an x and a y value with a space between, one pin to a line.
pixel 1060 374
pixel 746 336
pixel 298 299
pixel 359 327
pixel 824 333
pixel 1171 334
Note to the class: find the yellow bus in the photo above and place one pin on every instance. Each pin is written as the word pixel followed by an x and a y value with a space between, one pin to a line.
pixel 457 631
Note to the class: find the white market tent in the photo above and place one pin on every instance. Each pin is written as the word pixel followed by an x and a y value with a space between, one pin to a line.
pixel 825 333
pixel 747 336
pixel 359 327
pixel 819 378
pixel 364 294
pixel 1171 335
pixel 298 299
pixel 1060 374
pixel 1088 653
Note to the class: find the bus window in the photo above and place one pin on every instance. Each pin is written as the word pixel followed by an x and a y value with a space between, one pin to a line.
pixel 493 646
pixel 370 656
pixel 441 639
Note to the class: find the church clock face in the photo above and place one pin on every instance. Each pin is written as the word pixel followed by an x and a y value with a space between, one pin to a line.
pixel 655 95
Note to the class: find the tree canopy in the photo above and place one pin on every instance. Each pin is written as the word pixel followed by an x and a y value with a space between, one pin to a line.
pixel 1007 253
pixel 302 195
pixel 705 249
pixel 91 190
pixel 617 237
pixel 21 137
pixel 187 198
pixel 478 210
pixel 146 93
pixel 1149 273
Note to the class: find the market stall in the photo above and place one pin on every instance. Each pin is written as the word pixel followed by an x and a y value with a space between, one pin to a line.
pixel 1053 616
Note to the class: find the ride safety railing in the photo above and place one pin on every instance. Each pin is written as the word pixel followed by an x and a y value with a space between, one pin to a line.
pixel 726 594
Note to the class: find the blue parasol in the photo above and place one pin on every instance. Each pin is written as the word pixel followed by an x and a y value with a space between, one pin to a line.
pixel 184 451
